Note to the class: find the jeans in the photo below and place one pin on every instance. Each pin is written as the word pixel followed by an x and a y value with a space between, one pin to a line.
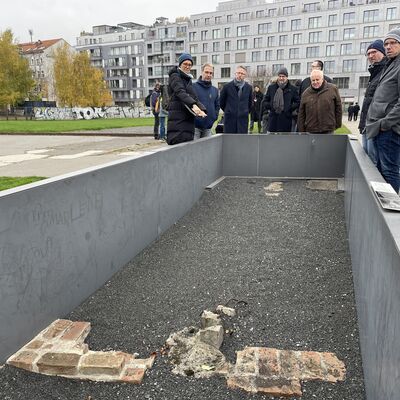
pixel 156 124
pixel 162 128
pixel 369 147
pixel 201 133
pixel 387 149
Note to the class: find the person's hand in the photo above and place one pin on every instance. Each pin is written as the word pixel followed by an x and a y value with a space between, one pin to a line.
pixel 198 112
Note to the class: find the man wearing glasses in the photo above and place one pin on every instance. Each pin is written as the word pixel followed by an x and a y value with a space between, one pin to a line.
pixel 383 117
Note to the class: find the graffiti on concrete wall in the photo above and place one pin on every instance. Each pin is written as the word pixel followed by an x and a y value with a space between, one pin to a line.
pixel 55 113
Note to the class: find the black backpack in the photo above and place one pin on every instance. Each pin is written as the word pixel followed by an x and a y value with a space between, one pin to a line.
pixel 147 100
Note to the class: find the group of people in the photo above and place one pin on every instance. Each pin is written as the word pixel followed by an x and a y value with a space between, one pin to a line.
pixel 312 105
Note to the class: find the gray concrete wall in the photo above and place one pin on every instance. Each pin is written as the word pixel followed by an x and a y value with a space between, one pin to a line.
pixel 62 238
pixel 374 239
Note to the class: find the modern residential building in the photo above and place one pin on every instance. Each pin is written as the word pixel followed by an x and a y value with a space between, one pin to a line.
pixel 261 35
pixel 40 57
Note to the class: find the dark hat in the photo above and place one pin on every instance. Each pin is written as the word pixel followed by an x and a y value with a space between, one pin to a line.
pixel 283 71
pixel 184 57
pixel 377 45
pixel 393 34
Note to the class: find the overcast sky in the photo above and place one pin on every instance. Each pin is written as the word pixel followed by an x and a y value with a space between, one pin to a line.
pixel 52 19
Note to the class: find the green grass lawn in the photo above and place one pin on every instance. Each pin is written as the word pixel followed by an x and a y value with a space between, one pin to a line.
pixel 71 125
pixel 8 182
pixel 343 130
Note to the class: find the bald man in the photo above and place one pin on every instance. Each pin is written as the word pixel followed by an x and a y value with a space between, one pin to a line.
pixel 320 107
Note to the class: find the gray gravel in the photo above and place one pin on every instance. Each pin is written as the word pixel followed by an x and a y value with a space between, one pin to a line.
pixel 282 262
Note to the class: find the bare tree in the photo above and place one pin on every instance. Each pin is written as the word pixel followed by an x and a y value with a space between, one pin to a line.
pixel 260 78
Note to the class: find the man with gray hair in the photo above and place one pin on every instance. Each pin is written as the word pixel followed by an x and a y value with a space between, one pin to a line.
pixel 383 117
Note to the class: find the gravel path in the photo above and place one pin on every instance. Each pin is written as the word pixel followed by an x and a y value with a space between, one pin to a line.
pixel 282 262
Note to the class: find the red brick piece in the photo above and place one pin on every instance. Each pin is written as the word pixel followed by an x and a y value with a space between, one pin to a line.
pixel 56 328
pixel 278 386
pixel 77 331
pixel 133 375
pixel 24 360
pixel 334 368
pixel 246 361
pixel 310 366
pixel 101 363
pixel 268 363
pixel 34 345
pixel 58 363
pixel 289 364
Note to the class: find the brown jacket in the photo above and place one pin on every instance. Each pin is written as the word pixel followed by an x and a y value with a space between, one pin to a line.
pixel 320 111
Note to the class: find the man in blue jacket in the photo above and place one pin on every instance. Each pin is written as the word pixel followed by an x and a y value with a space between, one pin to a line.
pixel 209 97
pixel 236 101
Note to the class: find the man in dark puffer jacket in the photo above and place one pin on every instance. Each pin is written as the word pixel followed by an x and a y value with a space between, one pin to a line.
pixel 184 105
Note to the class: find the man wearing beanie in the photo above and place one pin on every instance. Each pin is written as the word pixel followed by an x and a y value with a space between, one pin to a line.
pixel 383 116
pixel 236 102
pixel 282 100
pixel 376 57
pixel 184 105
pixel 320 107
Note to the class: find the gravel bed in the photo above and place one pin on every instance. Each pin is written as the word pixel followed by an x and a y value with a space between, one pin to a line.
pixel 283 263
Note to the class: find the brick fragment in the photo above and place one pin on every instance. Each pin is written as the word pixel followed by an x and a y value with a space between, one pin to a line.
pixel 310 365
pixel 23 359
pixel 35 344
pixel 335 369
pixel 278 386
pixel 268 362
pixel 102 363
pixel 77 331
pixel 289 364
pixel 213 335
pixel 209 318
pixel 58 363
pixel 56 328
pixel 245 361
pixel 143 362
pixel 133 375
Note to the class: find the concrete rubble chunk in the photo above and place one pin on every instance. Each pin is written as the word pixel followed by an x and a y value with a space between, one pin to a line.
pixel 325 185
pixel 59 350
pixel 213 335
pixel 209 318
pixel 230 312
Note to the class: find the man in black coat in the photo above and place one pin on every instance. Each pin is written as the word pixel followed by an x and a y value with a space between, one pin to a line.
pixel 236 102
pixel 184 105
pixel 282 99
pixel 377 58
pixel 255 114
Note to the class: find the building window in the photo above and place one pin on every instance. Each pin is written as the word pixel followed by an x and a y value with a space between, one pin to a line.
pixel 295 25
pixel 240 57
pixel 349 33
pixel 261 70
pixel 192 36
pixel 216 47
pixel 281 26
pixel 215 58
pixel 268 55
pixel 243 30
pixel 225 72
pixel 280 54
pixel 218 19
pixel 227 45
pixel 203 59
pixel 256 56
pixel 349 18
pixel 259 13
pixel 349 65
pixel 332 20
pixel 371 15
pixel 283 40
pixel 241 44
pixel 193 48
pixel 288 10
pixel 363 47
pixel 294 53
pixel 363 82
pixel 312 52
pixel 257 42
pixel 332 35
pixel 276 68
pixel 264 28
pixel 229 18
pixel 203 35
pixel 270 41
pixel 205 47
pixel 216 33
pixel 297 38
pixel 371 31
pixel 244 16
pixel 341 83
pixel 330 50
pixel 272 12
pixel 295 69
pixel 206 21
pixel 346 49
pixel 391 13
pixel 333 4
pixel 227 32
pixel 309 7
pixel 314 22
pixel 314 37
pixel 329 67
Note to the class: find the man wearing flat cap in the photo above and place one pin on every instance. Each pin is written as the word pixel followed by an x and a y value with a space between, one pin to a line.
pixel 383 117
pixel 282 100
pixel 376 57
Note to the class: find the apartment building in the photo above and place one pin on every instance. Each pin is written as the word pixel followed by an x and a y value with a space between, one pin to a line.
pixel 40 58
pixel 266 36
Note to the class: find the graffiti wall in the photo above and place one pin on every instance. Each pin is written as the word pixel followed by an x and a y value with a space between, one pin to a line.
pixel 55 113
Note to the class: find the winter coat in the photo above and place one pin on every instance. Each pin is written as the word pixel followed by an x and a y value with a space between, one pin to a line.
pixel 236 110
pixel 306 83
pixel 384 110
pixel 320 110
pixel 209 96
pixel 255 114
pixel 180 127
pixel 375 71
pixel 281 122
